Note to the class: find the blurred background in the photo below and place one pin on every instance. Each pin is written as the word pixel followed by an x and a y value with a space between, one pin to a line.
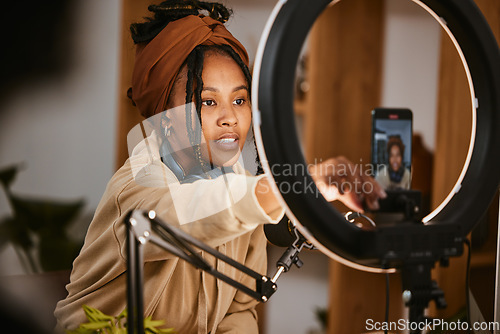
pixel 64 116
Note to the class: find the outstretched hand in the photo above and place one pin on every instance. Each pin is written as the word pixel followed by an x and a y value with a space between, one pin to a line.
pixel 339 179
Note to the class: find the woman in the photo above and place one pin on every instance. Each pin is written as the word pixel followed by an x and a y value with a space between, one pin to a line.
pixel 395 175
pixel 187 170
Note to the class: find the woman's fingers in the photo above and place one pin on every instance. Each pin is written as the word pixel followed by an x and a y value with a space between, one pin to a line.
pixel 353 201
pixel 339 179
pixel 373 192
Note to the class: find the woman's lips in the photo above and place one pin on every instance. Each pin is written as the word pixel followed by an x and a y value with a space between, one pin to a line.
pixel 227 142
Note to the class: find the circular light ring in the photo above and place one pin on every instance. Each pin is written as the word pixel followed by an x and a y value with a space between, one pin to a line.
pixel 278 144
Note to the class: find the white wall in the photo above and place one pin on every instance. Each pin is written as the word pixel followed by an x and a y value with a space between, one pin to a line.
pixel 63 130
pixel 248 22
pixel 301 291
pixel 411 64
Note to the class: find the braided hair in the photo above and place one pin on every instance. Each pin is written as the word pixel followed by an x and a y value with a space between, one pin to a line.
pixel 172 10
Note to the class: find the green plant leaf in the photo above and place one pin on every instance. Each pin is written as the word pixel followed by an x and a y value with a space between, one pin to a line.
pixel 8 175
pixel 4 233
pixel 94 315
pixel 16 233
pixel 36 213
pixel 102 323
pixel 56 253
pixel 148 323
pixel 96 325
pixel 322 316
pixel 150 326
pixel 166 331
pixel 121 316
pixel 40 219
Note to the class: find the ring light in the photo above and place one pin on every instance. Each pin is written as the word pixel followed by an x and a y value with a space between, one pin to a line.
pixel 443 230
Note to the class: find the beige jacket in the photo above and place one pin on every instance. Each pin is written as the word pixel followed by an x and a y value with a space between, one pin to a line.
pixel 386 182
pixel 223 212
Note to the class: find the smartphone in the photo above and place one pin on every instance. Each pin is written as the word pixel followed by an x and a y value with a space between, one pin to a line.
pixel 392 131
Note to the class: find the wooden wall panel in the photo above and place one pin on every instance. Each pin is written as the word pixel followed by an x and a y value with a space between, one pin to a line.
pixel 454 122
pixel 452 141
pixel 128 115
pixel 345 76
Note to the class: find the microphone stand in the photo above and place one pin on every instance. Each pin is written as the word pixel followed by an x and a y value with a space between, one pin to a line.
pixel 291 255
pixel 140 227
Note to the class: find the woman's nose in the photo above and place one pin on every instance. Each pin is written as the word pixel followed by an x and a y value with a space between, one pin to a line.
pixel 227 116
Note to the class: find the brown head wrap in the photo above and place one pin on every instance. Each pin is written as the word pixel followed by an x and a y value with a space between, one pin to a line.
pixel 158 62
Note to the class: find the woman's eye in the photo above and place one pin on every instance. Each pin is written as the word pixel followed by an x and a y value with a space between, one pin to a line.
pixel 239 101
pixel 208 103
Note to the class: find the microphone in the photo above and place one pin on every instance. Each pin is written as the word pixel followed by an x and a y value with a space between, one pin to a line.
pixel 281 234
pixel 284 234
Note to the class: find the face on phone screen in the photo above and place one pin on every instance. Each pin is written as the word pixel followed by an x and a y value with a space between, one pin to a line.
pixel 391 147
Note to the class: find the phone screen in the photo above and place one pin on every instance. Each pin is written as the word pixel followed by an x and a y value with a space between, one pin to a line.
pixel 391 147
